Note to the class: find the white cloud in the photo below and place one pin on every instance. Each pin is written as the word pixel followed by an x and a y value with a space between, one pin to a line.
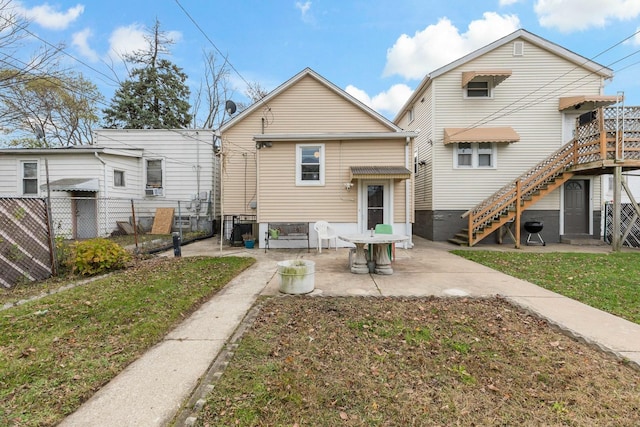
pixel 636 39
pixel 304 10
pixel 81 41
pixel 576 15
pixel 439 44
pixel 47 17
pixel 508 2
pixel 390 101
pixel 126 40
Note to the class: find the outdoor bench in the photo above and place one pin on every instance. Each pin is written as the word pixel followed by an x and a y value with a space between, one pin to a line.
pixel 287 231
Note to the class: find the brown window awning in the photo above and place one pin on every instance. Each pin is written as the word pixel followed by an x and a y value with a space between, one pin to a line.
pixel 496 76
pixel 587 102
pixel 380 172
pixel 503 134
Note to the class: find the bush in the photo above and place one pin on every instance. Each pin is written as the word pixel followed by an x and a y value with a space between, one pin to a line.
pixel 95 256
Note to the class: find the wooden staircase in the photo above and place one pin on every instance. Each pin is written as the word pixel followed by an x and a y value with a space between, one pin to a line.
pixel 600 145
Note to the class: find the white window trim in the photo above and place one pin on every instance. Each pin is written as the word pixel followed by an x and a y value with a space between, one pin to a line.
pixel 299 181
pixel 124 178
pixel 21 180
pixel 474 157
pixel 164 175
pixel 489 86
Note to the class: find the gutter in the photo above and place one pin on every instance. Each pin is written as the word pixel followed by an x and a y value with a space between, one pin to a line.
pixel 105 190
pixel 407 192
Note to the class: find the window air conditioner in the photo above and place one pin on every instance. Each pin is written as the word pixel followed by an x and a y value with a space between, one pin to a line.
pixel 154 192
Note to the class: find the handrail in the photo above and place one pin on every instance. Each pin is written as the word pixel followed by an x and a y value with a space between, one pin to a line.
pixel 595 140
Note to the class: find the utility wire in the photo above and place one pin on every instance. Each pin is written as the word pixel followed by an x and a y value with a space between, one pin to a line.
pixel 496 114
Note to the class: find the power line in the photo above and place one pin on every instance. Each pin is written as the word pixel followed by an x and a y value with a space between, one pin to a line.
pixel 211 42
pixel 61 50
pixel 496 114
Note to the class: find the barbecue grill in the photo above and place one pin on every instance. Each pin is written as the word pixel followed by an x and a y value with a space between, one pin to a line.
pixel 534 227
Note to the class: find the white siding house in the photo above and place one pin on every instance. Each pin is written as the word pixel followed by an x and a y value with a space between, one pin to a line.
pixel 92 187
pixel 487 118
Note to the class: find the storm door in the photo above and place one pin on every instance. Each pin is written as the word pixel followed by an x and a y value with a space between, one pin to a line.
pixel 376 204
pixel 85 218
pixel 576 207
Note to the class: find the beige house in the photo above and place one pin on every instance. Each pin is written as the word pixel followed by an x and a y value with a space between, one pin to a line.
pixel 486 121
pixel 309 151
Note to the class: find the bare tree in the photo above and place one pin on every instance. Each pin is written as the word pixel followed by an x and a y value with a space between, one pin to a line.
pixel 14 37
pixel 215 89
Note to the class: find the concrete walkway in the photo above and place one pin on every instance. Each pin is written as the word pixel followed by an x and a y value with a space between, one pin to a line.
pixel 153 389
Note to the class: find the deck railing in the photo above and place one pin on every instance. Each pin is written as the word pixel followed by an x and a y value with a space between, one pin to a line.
pixel 607 134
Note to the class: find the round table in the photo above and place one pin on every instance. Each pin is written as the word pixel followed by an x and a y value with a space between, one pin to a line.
pixel 380 244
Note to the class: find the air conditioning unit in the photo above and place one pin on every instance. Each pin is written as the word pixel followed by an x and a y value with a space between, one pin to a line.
pixel 154 192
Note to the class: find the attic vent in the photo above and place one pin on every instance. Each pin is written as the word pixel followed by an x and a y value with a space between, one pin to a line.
pixel 518 48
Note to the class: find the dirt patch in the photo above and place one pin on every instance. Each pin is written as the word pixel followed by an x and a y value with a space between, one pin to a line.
pixel 398 362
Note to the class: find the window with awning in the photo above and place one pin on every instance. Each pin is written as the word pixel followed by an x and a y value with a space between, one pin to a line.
pixel 495 76
pixel 587 102
pixel 480 134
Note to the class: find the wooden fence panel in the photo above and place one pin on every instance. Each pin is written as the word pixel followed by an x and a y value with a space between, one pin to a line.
pixel 25 252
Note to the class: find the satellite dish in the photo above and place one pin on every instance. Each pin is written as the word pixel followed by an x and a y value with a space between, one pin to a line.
pixel 230 106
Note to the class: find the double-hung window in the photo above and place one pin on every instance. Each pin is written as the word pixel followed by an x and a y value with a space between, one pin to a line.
pixel 310 164
pixel 475 155
pixel 155 177
pixel 29 177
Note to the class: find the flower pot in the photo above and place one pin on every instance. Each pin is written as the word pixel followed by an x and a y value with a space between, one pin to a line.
pixel 296 276
pixel 249 244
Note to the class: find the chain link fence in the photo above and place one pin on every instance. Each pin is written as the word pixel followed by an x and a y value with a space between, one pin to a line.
pixel 32 228
pixel 629 221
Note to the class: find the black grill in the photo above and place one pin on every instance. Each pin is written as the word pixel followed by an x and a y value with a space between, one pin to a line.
pixel 534 227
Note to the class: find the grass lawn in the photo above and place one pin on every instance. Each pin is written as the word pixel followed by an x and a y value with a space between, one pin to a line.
pixel 334 361
pixel 609 282
pixel 57 351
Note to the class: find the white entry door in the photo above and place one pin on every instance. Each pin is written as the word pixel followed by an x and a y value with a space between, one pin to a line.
pixel 375 203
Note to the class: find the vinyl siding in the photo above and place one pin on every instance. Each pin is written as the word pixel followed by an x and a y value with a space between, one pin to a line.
pixel 423 121
pixel 526 101
pixel 281 200
pixel 190 166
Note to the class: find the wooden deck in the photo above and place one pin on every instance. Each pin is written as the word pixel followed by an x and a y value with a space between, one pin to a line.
pixel 605 139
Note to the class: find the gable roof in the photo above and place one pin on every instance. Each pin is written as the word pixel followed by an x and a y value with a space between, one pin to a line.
pixel 562 52
pixel 295 79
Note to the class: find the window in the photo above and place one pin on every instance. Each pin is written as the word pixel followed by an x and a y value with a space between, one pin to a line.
pixel 475 155
pixel 411 115
pixel 310 164
pixel 155 172
pixel 478 89
pixel 29 177
pixel 485 155
pixel 118 178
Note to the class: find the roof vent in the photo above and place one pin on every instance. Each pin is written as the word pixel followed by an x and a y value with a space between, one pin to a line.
pixel 518 48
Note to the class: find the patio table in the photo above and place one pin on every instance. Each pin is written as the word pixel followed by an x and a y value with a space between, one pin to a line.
pixel 380 244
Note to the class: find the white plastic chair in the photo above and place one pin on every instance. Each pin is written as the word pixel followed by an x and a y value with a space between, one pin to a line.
pixel 325 232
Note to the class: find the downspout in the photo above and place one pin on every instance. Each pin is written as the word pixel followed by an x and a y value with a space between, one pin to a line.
pixel 105 190
pixel 407 192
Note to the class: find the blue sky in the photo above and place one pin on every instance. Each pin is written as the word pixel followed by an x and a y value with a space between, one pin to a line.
pixel 376 50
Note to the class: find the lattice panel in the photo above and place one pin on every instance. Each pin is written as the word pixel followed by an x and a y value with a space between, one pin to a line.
pixel 626 212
